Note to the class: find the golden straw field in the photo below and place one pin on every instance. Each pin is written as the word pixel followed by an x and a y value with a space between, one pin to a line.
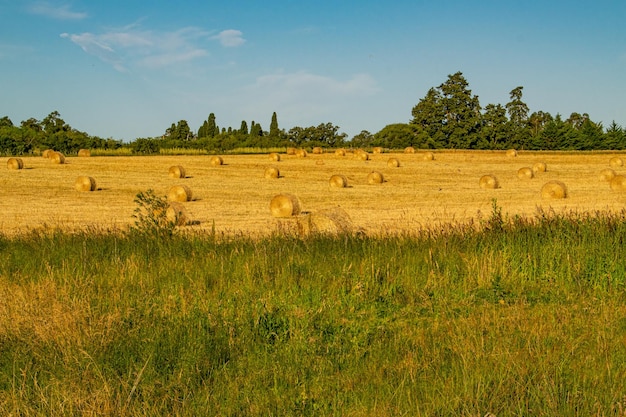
pixel 234 197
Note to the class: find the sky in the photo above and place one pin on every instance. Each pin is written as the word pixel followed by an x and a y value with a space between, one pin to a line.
pixel 129 69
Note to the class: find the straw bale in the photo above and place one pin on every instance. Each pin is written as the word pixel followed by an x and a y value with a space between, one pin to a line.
pixel 616 162
pixel 618 183
pixel 291 151
pixel 409 149
pixel 301 153
pixel 57 157
pixel 216 161
pixel 285 205
pixel 177 171
pixel 180 193
pixel 272 173
pixel 338 181
pixel 177 214
pixel 554 189
pixel 340 152
pixel 318 150
pixel 85 183
pixel 393 163
pixel 511 153
pixel 607 174
pixel 84 153
pixel 488 182
pixel 377 150
pixel 275 157
pixel 428 156
pixel 47 153
pixel 15 163
pixel 525 173
pixel 375 177
pixel 333 221
pixel 539 167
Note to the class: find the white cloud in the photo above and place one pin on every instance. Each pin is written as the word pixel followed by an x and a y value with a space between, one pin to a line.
pixel 230 38
pixel 60 12
pixel 130 46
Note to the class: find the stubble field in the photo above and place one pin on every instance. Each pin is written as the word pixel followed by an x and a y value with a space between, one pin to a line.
pixel 234 198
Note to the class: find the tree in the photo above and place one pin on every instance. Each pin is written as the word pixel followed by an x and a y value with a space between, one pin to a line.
pixel 211 129
pixel 54 124
pixel 396 136
pixel 6 122
pixel 274 126
pixel 244 128
pixel 495 132
pixel 325 135
pixel 450 114
pixel 518 119
pixel 363 139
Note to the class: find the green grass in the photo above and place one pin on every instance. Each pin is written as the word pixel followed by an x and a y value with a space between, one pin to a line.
pixel 520 318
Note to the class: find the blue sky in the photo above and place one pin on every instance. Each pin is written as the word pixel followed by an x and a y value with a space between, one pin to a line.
pixel 128 69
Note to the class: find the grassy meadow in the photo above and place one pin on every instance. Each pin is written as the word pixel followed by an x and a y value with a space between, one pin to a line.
pixel 448 300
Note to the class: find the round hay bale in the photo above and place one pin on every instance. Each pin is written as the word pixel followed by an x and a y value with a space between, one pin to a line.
pixel 340 152
pixel 393 163
pixel 176 171
pixel 272 173
pixel 428 156
pixel 57 157
pixel 177 214
pixel 179 193
pixel 616 162
pixel 409 149
pixel 525 173
pixel 607 174
pixel 84 183
pixel 274 157
pixel 84 153
pixel 511 153
pixel 47 153
pixel 317 150
pixel 15 163
pixel 285 205
pixel 320 162
pixel 361 154
pixel 618 183
pixel 338 181
pixel 539 167
pixel 488 182
pixel 377 150
pixel 216 161
pixel 375 177
pixel 554 189
pixel 291 151
pixel 301 153
pixel 334 221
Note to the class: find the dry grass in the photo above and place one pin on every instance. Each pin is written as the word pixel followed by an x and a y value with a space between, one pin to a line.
pixel 235 197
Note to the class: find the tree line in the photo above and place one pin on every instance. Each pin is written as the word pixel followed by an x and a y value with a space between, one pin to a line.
pixel 447 117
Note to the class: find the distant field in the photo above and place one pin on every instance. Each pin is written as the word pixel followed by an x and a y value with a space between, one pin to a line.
pixel 234 197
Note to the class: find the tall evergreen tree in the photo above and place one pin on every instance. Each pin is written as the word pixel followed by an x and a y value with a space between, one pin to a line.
pixel 244 127
pixel 212 129
pixel 518 119
pixel 274 126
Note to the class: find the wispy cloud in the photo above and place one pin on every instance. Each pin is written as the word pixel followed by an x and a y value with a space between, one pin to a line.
pixel 132 47
pixel 56 11
pixel 230 38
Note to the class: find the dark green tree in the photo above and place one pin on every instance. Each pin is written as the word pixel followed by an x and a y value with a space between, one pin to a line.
pixel 396 136
pixel 450 114
pixel 495 132
pixel 274 132
pixel 518 120
pixel 244 128
pixel 363 139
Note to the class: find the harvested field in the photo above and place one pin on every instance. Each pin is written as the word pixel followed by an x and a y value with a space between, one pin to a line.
pixel 234 198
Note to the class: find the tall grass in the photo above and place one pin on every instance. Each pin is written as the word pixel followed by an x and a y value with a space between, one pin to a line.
pixel 517 318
